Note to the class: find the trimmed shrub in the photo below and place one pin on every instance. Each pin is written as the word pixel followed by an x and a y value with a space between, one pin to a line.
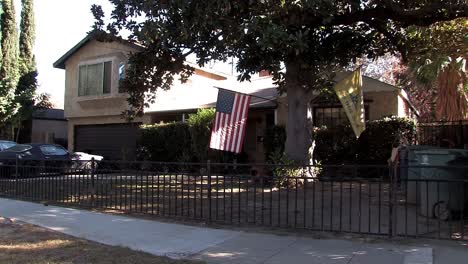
pixel 274 140
pixel 374 146
pixel 164 142
pixel 199 126
pixel 183 142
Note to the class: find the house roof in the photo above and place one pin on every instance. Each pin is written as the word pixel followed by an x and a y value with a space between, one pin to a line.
pixel 60 63
pixel 202 93
pixel 49 114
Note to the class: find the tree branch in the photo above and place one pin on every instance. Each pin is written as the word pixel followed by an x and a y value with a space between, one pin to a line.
pixel 439 11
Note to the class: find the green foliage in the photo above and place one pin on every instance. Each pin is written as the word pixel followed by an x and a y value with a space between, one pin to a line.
pixel 263 35
pixel 200 131
pixel 431 49
pixel 164 142
pixel 185 142
pixel 298 42
pixel 8 68
pixel 274 140
pixel 340 146
pixel 27 85
pixel 27 37
pixel 284 170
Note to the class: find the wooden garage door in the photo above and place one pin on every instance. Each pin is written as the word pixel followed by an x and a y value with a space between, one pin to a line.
pixel 114 141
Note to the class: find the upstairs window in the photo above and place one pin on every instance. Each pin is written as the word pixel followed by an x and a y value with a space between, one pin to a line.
pixel 121 75
pixel 94 79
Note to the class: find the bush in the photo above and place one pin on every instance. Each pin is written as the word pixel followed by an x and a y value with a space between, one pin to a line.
pixel 164 142
pixel 182 142
pixel 274 140
pixel 199 125
pixel 374 146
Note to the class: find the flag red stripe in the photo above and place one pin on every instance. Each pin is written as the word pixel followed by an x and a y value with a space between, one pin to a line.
pixel 244 124
pixel 239 100
pixel 232 127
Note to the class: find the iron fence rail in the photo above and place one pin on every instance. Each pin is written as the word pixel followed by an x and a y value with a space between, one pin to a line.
pixel 443 133
pixel 338 198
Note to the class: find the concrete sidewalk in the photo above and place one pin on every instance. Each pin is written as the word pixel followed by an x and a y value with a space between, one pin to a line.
pixel 210 245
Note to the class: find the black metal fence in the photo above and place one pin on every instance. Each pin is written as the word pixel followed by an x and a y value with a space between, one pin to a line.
pixel 429 202
pixel 443 133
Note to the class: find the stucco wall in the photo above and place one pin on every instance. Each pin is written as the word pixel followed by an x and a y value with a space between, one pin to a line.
pixel 42 130
pixel 382 104
pixel 102 105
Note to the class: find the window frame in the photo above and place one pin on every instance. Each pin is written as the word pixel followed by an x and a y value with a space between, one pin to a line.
pixel 316 107
pixel 104 79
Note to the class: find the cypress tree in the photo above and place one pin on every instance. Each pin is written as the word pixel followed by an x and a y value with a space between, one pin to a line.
pixel 27 84
pixel 9 66
pixel 27 37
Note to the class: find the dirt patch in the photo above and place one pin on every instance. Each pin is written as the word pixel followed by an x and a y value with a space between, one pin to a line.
pixel 25 243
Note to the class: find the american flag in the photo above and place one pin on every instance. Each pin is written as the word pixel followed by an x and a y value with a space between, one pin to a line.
pixel 229 125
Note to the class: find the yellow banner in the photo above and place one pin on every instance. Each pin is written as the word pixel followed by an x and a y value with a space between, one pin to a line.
pixel 349 91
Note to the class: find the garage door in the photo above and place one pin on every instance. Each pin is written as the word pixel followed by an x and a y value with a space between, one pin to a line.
pixel 114 141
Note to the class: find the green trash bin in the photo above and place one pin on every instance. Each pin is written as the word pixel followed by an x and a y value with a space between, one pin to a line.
pixel 410 170
pixel 438 197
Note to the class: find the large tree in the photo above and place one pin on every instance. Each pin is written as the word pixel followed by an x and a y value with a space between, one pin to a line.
pixel 299 42
pixel 437 61
pixel 8 68
pixel 27 62
pixel 27 84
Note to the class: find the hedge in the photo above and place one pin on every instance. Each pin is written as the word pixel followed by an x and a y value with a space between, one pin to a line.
pixel 164 142
pixel 374 146
pixel 182 142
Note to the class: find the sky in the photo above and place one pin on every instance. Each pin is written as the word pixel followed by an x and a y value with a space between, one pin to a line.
pixel 60 24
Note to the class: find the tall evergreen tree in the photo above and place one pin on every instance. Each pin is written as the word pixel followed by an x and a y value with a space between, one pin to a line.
pixel 9 67
pixel 27 38
pixel 27 84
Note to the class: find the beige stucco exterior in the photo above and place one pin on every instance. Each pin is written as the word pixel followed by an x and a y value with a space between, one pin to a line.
pixel 103 105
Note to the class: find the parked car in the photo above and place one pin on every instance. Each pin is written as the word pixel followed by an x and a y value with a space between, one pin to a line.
pixel 5 144
pixel 83 161
pixel 34 159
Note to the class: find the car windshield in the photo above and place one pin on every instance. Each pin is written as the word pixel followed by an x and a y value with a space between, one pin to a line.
pixel 20 148
pixel 53 150
pixel 6 144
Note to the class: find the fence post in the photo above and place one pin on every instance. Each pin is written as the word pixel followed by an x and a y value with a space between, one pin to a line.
pixel 92 181
pixel 390 202
pixel 462 138
pixel 208 171
pixel 16 174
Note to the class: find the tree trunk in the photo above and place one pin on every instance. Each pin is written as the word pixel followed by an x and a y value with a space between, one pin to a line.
pixel 298 141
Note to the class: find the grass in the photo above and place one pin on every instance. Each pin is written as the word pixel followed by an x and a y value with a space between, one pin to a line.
pixel 25 243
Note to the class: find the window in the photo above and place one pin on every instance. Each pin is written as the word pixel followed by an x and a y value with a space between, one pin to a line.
pixel 6 145
pixel 334 116
pixel 121 74
pixel 20 148
pixel 52 150
pixel 94 79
